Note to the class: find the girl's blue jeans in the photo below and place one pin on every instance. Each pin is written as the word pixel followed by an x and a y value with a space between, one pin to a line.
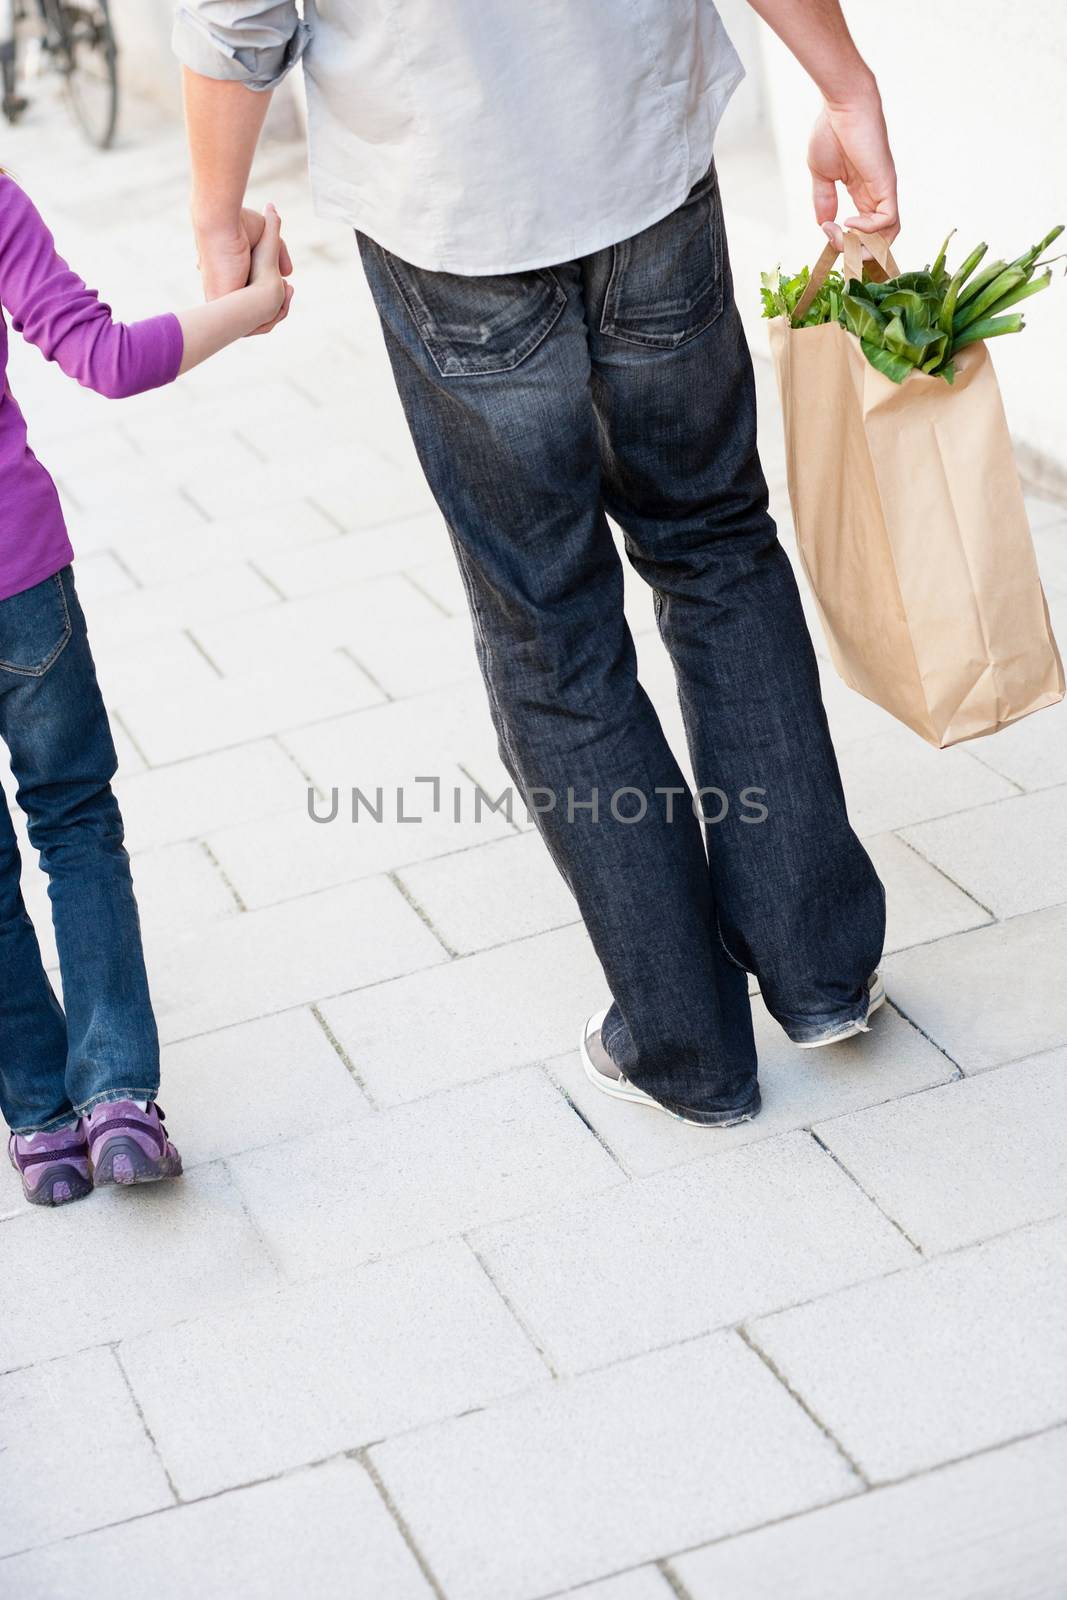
pixel 57 1062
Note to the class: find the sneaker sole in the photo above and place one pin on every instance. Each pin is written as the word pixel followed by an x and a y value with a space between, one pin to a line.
pixel 49 1192
pixel 622 1090
pixel 123 1161
pixel 852 1029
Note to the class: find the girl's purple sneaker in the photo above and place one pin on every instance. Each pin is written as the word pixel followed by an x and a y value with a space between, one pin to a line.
pixel 54 1167
pixel 130 1145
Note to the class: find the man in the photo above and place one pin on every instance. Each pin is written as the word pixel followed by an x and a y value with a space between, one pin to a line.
pixel 539 220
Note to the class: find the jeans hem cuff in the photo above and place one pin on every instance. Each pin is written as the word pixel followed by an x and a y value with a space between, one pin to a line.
pixel 108 1096
pixel 68 1119
pixel 815 1033
pixel 713 1119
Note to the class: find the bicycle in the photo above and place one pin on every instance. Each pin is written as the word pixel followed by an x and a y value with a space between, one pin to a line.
pixel 76 39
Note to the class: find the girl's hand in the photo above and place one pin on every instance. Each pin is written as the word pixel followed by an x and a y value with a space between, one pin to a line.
pixel 268 269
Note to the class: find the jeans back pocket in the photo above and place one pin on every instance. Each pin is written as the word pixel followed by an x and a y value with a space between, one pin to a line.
pixel 478 325
pixel 667 282
pixel 34 627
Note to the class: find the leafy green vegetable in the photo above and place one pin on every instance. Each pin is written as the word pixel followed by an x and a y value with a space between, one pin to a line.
pixel 917 321
pixel 782 295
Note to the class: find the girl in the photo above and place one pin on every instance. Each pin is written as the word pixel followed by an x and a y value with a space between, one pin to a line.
pixel 78 1083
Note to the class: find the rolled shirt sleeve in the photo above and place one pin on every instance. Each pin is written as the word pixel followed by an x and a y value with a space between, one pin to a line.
pixel 254 42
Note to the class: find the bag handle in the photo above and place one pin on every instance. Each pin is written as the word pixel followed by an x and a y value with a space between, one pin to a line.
pixel 880 267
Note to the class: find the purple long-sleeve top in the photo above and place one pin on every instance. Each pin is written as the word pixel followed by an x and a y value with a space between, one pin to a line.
pixel 50 305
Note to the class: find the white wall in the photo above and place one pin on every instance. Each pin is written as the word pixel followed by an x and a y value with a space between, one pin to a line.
pixel 976 100
pixel 148 67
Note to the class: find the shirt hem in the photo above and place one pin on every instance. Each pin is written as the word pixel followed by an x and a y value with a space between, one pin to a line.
pixel 55 563
pixel 331 200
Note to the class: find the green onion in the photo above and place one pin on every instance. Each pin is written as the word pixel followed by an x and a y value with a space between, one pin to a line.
pixel 982 304
pixel 983 280
pixel 988 329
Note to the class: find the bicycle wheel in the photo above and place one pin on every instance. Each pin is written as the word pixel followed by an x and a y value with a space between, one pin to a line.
pixel 85 52
pixel 13 103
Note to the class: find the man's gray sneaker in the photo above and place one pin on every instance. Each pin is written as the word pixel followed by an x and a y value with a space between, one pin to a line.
pixel 848 1030
pixel 601 1070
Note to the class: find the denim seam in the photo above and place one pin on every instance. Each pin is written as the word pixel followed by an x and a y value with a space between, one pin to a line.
pixel 42 667
pixel 725 947
pixel 487 651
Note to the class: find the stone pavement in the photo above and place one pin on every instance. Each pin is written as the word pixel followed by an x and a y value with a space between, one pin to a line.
pixel 427 1317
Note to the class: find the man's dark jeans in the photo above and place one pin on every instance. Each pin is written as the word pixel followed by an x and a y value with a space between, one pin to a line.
pixel 52 719
pixel 540 403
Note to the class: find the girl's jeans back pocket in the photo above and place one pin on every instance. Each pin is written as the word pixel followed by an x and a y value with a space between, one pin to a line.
pixel 34 627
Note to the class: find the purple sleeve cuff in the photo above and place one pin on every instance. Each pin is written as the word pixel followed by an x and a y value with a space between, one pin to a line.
pixel 155 349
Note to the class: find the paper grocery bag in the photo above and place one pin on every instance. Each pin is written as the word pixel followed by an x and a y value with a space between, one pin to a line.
pixel 912 530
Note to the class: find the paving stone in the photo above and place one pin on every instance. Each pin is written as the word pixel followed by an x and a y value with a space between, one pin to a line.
pixel 376 502
pixel 1012 857
pixel 188 466
pixel 322 1532
pixel 921 903
pixel 932 1364
pixel 345 1360
pixel 683 1252
pixel 100 575
pixel 130 758
pixel 455 1161
pixel 297 633
pixel 579 1478
pixel 993 995
pixel 642 1583
pixel 428 734
pixel 1043 512
pixel 211 405
pixel 225 591
pixel 178 888
pixel 1033 752
pixel 167 665
pixel 191 798
pixel 367 491
pixel 491 895
pixel 232 711
pixel 894 779
pixel 798 1087
pixel 266 961
pixel 118 1263
pixel 255 1084
pixel 155 559
pixel 521 1003
pixel 972 1159
pixel 367 553
pixel 980 1530
pixel 48 1489
pixel 292 854
pixel 440 580
pixel 440 651
pixel 851 715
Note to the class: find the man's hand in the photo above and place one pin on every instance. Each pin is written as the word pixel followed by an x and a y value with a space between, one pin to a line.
pixel 225 259
pixel 850 145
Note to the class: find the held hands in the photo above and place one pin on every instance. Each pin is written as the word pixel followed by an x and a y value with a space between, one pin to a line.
pixel 850 145
pixel 267 272
pixel 251 254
